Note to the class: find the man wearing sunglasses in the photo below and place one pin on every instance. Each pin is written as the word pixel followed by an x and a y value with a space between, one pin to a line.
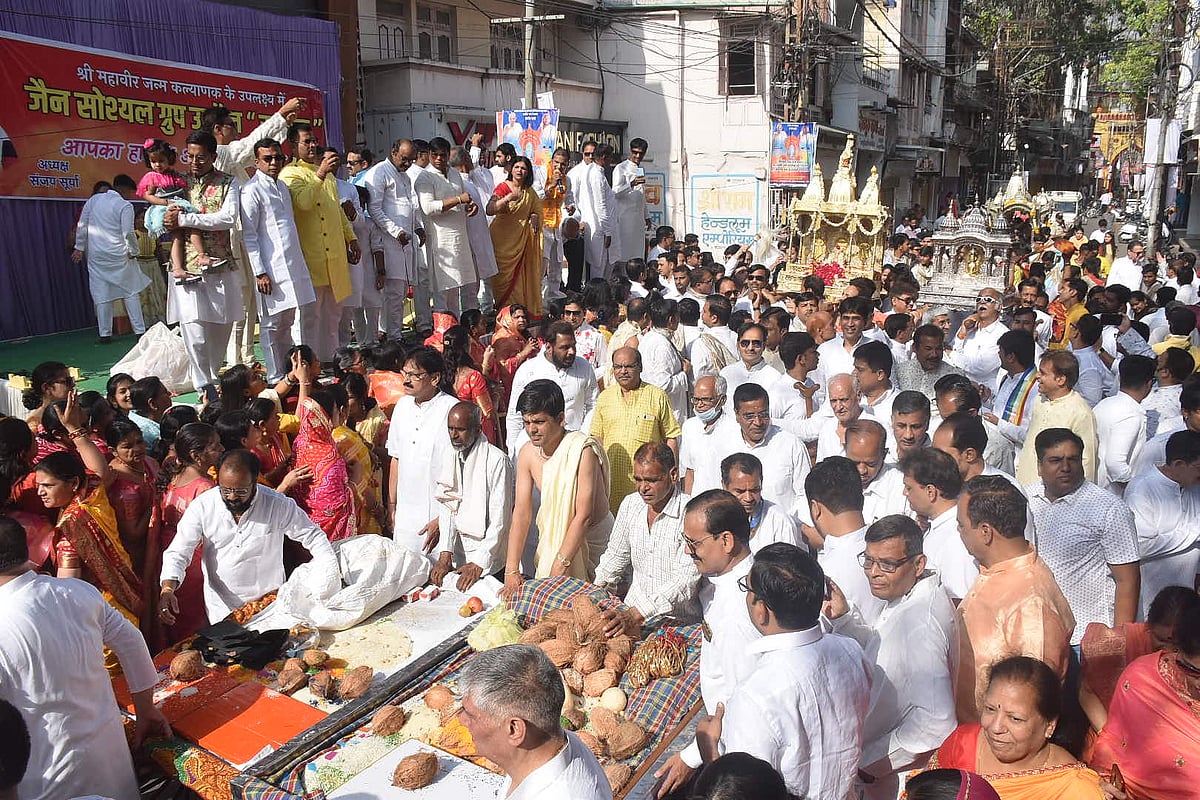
pixel 282 280
pixel 911 650
pixel 242 526
pixel 751 367
pixel 976 345
pixel 779 714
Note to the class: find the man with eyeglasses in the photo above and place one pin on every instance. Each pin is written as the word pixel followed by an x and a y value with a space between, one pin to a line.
pixel 912 646
pixel 784 457
pixel 699 461
pixel 629 185
pixel 590 344
pixel 742 477
pixel 751 367
pixel 207 309
pixel 281 278
pixel 778 713
pixel 716 535
pixel 932 483
pixel 1015 606
pixel 587 154
pixel 358 161
pixel 241 525
pixel 975 344
pixel 446 204
pixel 1127 270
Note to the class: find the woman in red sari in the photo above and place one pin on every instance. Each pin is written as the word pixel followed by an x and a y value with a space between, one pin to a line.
pixel 1153 729
pixel 77 484
pixel 512 346
pixel 197 450
pixel 328 498
pixel 469 384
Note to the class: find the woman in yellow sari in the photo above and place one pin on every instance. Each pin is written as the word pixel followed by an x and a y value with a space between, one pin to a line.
pixel 517 237
pixel 360 467
pixel 1010 746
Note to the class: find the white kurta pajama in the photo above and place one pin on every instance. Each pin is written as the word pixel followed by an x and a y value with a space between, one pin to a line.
pixel 392 210
pixel 233 159
pixel 419 442
pixel 360 310
pixel 482 249
pixel 452 269
pixel 273 249
pixel 105 236
pixel 207 309
pixel 53 632
pixel 422 278
pixel 598 211
pixel 631 211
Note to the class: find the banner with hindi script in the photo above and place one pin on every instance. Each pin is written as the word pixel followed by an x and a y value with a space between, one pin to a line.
pixel 533 132
pixel 71 116
pixel 793 150
pixel 723 210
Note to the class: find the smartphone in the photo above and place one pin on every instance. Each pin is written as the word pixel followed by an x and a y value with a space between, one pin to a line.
pixel 641 173
pixel 1116 778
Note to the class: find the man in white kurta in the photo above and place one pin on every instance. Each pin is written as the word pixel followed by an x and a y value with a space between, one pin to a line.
pixel 241 525
pixel 105 235
pixel 363 274
pixel 629 186
pixel 53 632
pixel 392 210
pixel 446 204
pixel 233 157
pixel 423 291
pixel 597 207
pixel 419 444
pixel 207 309
pixel 282 281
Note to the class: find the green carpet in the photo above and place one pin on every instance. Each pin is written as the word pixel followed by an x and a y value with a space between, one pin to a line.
pixel 80 349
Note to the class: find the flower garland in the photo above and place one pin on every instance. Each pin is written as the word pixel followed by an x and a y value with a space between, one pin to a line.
pixel 828 271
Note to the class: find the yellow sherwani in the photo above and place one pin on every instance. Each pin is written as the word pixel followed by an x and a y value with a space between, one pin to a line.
pixel 322 225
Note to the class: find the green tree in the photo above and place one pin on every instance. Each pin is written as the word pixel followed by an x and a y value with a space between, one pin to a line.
pixel 1134 62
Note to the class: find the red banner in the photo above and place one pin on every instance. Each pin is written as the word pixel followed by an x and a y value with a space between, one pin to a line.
pixel 71 116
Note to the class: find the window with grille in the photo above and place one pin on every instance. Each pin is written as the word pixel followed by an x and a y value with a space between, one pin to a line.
pixel 508 48
pixel 435 33
pixel 739 59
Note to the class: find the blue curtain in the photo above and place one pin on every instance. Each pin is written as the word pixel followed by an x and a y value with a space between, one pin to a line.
pixel 41 290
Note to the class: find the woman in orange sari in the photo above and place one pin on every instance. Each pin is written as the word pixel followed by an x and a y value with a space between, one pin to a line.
pixel 517 237
pixel 87 525
pixel 1153 729
pixel 469 384
pixel 1010 745
pixel 327 498
pixel 512 346
pixel 197 450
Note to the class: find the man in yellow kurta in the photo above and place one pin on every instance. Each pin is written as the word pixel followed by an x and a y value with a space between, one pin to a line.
pixel 1059 406
pixel 328 241
pixel 629 414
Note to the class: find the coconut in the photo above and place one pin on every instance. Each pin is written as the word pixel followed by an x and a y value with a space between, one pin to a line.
pixel 187 666
pixel 315 658
pixel 291 677
pixel 321 684
pixel 559 615
pixel 438 697
pixel 614 700
pixel 627 740
pixel 616 662
pixel 621 645
pixel 603 721
pixel 595 683
pixel 388 720
pixel 416 771
pixel 592 743
pixel 573 678
pixel 356 682
pixel 589 658
pixel 559 651
pixel 618 775
pixel 574 719
pixel 539 633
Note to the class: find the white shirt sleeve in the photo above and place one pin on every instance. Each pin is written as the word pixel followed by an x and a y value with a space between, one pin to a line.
pixel 126 641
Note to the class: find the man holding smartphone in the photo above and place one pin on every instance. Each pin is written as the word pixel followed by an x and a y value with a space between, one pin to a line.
pixel 629 181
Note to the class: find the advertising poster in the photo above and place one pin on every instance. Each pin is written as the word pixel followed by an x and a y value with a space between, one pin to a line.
pixel 724 210
pixel 532 131
pixel 793 148
pixel 656 199
pixel 71 116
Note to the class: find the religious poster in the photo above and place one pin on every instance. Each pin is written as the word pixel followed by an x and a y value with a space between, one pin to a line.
pixel 793 150
pixel 656 198
pixel 533 132
pixel 723 210
pixel 71 116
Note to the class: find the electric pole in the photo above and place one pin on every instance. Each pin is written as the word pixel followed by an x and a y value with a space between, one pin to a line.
pixel 529 20
pixel 1175 26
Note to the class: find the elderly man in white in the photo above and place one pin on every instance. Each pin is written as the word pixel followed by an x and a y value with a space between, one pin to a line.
pixel 699 461
pixel 53 632
pixel 475 490
pixel 446 204
pixel 629 185
pixel 665 367
pixel 242 526
pixel 512 697
pixel 597 207
pixel 392 210
pixel 272 243
pixel 912 646
pixel 105 235
pixel 976 348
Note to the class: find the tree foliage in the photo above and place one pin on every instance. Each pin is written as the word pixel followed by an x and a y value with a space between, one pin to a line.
pixel 1134 62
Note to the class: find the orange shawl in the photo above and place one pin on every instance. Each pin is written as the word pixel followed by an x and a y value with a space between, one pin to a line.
pixel 1065 782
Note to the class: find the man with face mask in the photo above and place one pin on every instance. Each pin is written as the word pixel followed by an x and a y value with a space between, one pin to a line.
pixel 475 490
pixel 698 459
pixel 242 525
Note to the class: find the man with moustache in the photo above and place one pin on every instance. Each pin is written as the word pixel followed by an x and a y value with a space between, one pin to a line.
pixel 742 477
pixel 241 525
pixel 393 209
pixel 475 490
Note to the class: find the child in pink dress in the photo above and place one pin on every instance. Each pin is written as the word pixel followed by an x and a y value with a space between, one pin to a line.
pixel 163 187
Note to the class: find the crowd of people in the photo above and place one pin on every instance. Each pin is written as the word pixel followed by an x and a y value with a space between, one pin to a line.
pixel 948 553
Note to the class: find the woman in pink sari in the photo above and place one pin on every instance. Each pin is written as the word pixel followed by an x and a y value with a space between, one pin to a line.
pixel 469 384
pixel 197 450
pixel 328 498
pixel 134 498
pixel 1153 729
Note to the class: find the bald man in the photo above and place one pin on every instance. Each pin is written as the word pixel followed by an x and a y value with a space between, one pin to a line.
pixel 845 402
pixel 474 488
pixel 977 343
